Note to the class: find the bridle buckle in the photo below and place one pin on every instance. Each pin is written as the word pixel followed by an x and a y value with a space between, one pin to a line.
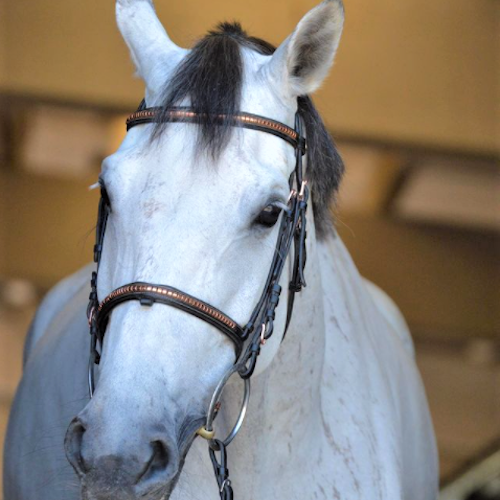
pixel 226 482
pixel 263 339
pixel 302 191
pixel 91 315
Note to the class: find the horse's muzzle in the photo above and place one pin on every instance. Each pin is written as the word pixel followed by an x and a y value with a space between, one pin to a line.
pixel 128 471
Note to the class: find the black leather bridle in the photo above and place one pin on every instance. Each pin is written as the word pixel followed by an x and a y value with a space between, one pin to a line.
pixel 247 339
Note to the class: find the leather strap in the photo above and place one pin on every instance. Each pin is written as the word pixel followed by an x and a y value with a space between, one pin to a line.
pixel 148 294
pixel 246 120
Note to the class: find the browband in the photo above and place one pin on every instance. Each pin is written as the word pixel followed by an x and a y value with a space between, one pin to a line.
pixel 245 120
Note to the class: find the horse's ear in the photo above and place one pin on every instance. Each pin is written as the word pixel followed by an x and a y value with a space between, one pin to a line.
pixel 153 53
pixel 303 60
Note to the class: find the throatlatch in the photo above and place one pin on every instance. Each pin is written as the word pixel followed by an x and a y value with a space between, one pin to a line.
pixel 248 340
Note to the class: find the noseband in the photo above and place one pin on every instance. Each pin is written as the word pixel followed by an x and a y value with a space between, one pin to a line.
pixel 248 339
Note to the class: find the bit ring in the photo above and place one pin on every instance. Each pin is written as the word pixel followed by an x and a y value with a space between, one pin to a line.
pixel 214 405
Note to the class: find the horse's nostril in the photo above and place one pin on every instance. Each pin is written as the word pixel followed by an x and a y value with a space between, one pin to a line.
pixel 73 446
pixel 158 462
pixel 100 456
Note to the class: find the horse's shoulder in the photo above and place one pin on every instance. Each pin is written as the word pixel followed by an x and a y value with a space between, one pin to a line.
pixel 392 314
pixel 55 301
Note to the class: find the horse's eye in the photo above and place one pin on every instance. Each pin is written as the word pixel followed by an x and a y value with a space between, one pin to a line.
pixel 269 216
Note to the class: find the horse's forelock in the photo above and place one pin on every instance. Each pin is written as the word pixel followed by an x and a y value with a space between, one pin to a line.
pixel 211 78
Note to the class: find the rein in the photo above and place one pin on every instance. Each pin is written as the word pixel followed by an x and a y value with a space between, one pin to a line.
pixel 248 339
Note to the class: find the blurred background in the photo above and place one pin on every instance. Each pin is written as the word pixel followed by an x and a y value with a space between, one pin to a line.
pixel 413 102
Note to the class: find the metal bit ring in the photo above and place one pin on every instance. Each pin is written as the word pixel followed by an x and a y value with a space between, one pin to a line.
pixel 91 381
pixel 212 410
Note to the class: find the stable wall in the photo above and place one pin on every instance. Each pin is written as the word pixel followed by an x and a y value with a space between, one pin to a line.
pixel 2 42
pixel 445 280
pixel 2 78
pixel 497 79
pixel 47 240
pixel 423 71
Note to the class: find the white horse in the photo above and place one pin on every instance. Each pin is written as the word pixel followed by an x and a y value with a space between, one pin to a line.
pixel 338 410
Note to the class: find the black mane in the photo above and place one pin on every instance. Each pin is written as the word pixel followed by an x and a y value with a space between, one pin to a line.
pixel 211 77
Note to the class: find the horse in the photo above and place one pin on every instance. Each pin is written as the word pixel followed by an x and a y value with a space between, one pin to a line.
pixel 338 409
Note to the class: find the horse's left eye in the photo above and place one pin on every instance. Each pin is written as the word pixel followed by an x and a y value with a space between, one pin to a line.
pixel 269 216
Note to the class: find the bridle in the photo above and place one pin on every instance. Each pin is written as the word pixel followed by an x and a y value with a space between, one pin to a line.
pixel 249 339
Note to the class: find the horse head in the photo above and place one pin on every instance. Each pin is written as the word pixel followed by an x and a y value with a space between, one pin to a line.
pixel 196 207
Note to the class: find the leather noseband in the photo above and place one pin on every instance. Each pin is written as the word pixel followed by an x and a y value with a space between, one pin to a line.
pixel 148 294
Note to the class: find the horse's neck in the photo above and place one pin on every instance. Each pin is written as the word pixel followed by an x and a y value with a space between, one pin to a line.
pixel 296 401
pixel 329 409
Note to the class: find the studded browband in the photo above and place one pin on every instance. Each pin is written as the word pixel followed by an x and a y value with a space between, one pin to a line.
pixel 246 120
pixel 148 294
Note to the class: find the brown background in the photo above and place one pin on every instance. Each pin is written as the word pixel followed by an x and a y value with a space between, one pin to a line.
pixel 412 78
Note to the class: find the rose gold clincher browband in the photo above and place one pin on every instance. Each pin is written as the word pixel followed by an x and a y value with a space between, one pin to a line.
pixel 147 294
pixel 242 119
